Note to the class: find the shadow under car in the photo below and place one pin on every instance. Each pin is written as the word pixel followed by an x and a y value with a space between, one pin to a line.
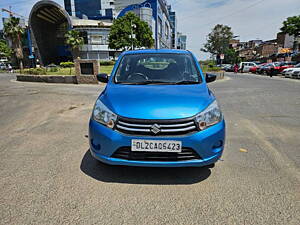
pixel 142 175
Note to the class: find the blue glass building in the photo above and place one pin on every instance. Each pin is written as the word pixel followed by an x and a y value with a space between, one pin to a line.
pixel 89 9
pixel 159 20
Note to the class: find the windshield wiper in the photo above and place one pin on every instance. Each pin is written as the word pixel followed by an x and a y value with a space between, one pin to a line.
pixel 146 82
pixel 187 82
pixel 159 82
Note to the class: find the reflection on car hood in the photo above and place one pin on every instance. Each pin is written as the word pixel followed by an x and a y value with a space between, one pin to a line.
pixel 157 101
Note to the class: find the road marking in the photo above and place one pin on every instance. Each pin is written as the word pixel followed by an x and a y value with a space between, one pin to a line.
pixel 243 150
pixel 281 161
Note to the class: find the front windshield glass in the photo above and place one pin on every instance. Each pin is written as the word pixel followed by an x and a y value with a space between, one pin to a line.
pixel 157 69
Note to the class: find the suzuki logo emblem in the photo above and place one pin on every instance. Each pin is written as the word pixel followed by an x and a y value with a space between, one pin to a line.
pixel 155 129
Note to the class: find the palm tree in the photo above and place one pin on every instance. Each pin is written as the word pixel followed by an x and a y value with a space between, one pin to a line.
pixel 75 41
pixel 13 31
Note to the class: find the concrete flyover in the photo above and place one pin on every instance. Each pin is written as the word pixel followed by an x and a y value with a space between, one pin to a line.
pixel 49 22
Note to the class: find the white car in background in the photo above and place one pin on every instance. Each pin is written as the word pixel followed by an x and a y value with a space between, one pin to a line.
pixel 3 66
pixel 296 74
pixel 289 71
pixel 245 66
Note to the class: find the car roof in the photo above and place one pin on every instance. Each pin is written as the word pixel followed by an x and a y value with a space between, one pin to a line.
pixel 157 51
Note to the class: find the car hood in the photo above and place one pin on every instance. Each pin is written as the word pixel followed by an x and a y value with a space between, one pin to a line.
pixel 157 101
pixel 292 69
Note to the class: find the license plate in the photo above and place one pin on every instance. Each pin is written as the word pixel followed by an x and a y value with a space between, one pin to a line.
pixel 155 146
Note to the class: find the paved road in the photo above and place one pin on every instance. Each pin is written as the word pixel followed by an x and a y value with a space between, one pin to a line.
pixel 47 175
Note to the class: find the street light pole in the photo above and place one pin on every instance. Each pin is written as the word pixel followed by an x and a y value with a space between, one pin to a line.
pixel 131 35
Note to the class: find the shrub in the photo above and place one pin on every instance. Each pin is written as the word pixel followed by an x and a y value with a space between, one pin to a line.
pixel 36 71
pixel 66 64
pixel 214 68
pixel 53 69
pixel 211 64
pixel 107 63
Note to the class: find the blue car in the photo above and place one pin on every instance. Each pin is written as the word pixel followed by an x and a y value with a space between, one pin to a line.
pixel 157 111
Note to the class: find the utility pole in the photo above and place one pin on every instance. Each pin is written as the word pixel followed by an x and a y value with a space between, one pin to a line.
pixel 10 14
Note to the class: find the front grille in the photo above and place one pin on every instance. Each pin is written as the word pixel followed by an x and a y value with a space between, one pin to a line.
pixel 156 127
pixel 126 153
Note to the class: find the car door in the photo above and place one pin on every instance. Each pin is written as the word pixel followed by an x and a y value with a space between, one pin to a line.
pixel 247 68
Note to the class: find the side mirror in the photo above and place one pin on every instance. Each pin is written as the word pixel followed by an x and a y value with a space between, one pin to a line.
pixel 102 77
pixel 210 77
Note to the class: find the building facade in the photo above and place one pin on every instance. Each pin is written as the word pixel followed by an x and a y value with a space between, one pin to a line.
pixel 285 40
pixel 267 49
pixel 49 22
pixel 119 5
pixel 181 41
pixel 95 35
pixel 90 9
pixel 159 21
pixel 159 16
pixel 173 23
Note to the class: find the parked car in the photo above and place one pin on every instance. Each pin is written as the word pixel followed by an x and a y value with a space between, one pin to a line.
pixel 3 66
pixel 157 111
pixel 296 74
pixel 286 65
pixel 254 69
pixel 277 67
pixel 263 69
pixel 225 66
pixel 229 68
pixel 259 68
pixel 245 66
pixel 288 72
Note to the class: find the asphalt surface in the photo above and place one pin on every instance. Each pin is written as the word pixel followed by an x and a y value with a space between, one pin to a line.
pixel 47 175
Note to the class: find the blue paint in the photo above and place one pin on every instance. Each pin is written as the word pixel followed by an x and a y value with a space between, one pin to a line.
pixel 157 102
pixel 31 56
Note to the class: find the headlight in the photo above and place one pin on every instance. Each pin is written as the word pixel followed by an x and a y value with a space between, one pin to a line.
pixel 103 115
pixel 210 116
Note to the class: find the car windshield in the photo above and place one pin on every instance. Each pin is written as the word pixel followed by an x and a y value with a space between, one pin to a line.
pixel 157 69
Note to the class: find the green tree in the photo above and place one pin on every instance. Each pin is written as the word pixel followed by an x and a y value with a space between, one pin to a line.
pixel 218 40
pixel 231 56
pixel 120 33
pixel 291 26
pixel 13 31
pixel 5 50
pixel 75 41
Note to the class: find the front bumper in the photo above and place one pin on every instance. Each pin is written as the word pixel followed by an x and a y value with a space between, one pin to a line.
pixel 209 144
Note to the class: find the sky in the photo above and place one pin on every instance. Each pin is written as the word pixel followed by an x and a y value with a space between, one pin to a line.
pixel 249 19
